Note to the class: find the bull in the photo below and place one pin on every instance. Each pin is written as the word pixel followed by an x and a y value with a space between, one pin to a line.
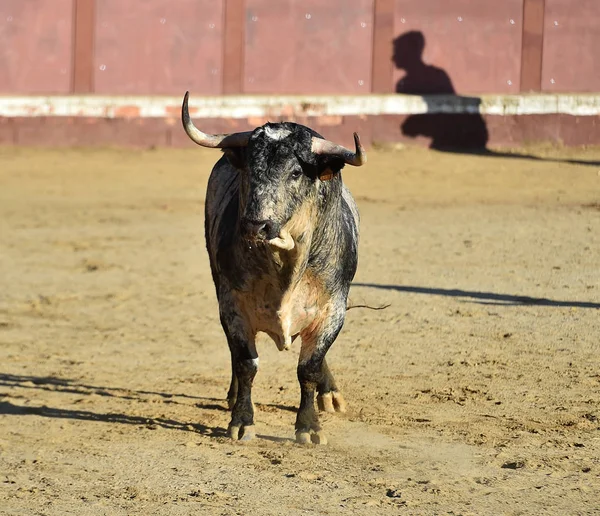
pixel 281 232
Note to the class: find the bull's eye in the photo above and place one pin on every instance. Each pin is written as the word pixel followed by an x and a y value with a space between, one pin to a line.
pixel 296 173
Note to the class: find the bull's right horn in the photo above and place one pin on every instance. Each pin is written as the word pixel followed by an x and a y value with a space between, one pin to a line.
pixel 214 141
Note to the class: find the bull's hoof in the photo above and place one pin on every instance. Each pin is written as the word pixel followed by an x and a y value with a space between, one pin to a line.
pixel 331 402
pixel 339 403
pixel 303 437
pixel 241 433
pixel 318 437
pixel 233 432
pixel 325 402
pixel 249 433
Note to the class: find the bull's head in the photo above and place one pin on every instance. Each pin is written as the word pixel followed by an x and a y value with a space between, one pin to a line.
pixel 286 169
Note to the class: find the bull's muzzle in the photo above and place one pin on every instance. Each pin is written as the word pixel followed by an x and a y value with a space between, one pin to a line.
pixel 259 230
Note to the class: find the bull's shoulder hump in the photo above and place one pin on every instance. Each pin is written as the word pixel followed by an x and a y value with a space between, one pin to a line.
pixel 221 209
pixel 222 185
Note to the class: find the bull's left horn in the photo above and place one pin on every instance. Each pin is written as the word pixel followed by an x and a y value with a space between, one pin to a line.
pixel 220 141
pixel 358 158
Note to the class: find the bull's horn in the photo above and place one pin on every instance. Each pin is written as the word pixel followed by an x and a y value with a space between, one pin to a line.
pixel 358 158
pixel 220 141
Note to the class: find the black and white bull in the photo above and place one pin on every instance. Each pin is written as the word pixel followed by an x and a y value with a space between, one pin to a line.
pixel 282 236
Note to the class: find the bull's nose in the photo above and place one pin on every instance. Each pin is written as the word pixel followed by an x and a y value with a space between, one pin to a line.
pixel 261 229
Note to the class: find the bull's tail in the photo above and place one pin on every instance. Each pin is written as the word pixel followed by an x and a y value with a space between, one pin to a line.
pixel 382 307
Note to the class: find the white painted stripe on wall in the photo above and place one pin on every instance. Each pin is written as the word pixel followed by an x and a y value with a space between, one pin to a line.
pixel 249 106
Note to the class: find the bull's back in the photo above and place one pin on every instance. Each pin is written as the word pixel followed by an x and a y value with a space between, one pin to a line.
pixel 353 209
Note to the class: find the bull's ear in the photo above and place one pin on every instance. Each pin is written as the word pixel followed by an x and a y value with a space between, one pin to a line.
pixel 326 175
pixel 236 156
pixel 329 169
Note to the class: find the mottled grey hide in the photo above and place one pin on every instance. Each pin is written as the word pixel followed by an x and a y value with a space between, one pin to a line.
pixel 282 237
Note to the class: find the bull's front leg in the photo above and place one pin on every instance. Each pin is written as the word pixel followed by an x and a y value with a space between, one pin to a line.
pixel 313 373
pixel 244 365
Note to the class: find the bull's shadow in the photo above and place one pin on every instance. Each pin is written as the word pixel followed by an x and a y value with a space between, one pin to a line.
pixel 52 383
pixel 7 408
pixel 448 132
pixel 68 386
pixel 484 298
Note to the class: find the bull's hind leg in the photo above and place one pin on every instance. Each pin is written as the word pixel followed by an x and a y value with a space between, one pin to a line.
pixel 313 374
pixel 329 399
pixel 244 360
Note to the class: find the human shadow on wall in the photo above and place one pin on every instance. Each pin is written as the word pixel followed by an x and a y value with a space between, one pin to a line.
pixel 449 132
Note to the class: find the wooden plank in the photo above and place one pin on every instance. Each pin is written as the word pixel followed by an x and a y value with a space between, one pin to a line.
pixel 36 47
pixel 233 46
pixel 83 46
pixel 383 36
pixel 289 47
pixel 571 43
pixel 155 47
pixel 532 45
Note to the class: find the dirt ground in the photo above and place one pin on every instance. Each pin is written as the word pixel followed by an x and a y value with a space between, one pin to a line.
pixel 476 392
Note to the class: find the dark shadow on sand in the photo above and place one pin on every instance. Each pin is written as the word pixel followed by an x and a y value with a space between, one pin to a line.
pixel 7 408
pixel 64 385
pixel 487 298
pixel 51 383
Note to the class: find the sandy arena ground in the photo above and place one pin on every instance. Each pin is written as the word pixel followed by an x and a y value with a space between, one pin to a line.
pixel 476 392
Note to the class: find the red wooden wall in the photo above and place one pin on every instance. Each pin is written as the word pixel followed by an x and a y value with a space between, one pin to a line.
pixel 300 46
pixel 571 46
pixel 215 47
pixel 36 38
pixel 478 44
